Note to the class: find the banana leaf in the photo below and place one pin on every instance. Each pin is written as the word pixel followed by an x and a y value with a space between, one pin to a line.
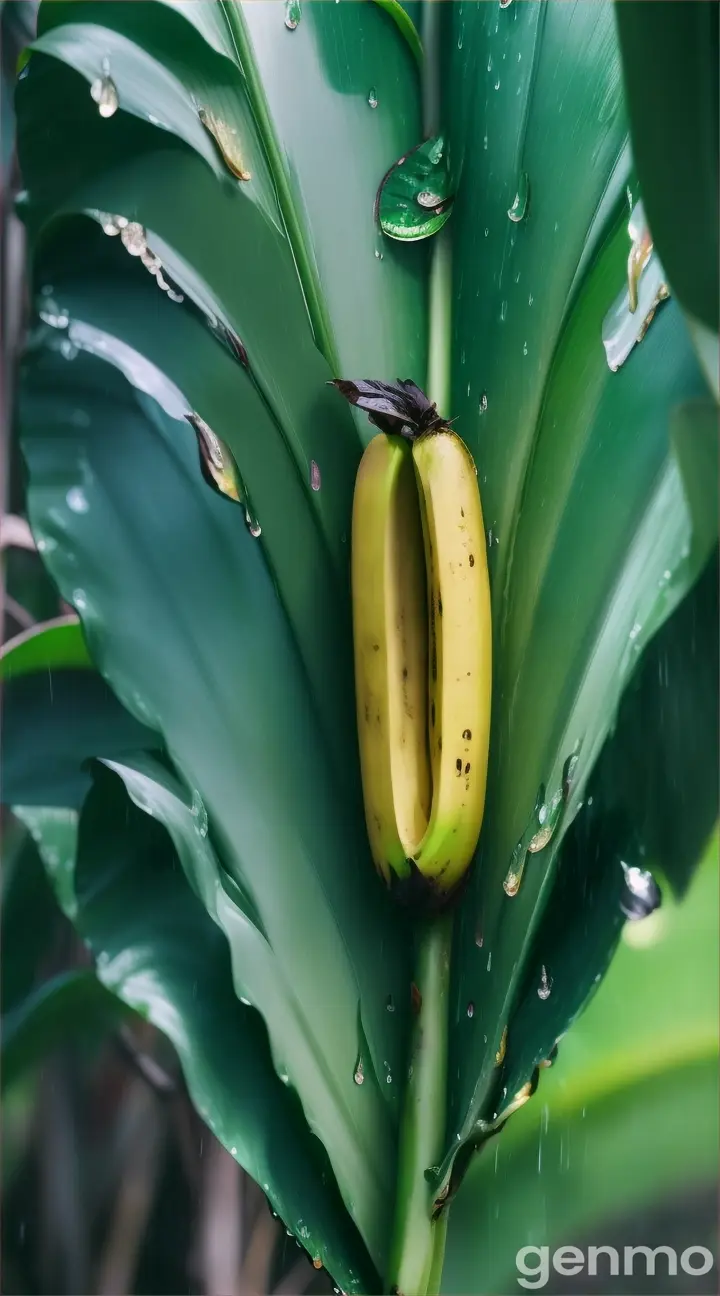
pixel 174 294
pixel 602 1139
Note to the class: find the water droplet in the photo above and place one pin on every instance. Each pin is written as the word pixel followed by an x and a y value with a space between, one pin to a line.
pixel 545 987
pixel 218 464
pixel 79 600
pixel 199 814
pixel 390 1004
pixel 502 1048
pixel 378 254
pixel 104 93
pixel 497 84
pixel 514 875
pixel 426 198
pixel 233 1151
pixel 252 524
pixel 568 773
pixel 133 238
pixel 519 208
pixel 525 348
pixel 292 14
pixel 503 312
pixel 415 197
pixel 489 962
pixel 315 478
pixel 483 403
pixel 317 1262
pixel 635 630
pixel 372 98
pixel 245 1001
pixel 226 139
pixel 485 142
pixel 76 500
pixel 548 818
pixel 642 894
pixel 471 1009
pixel 359 1073
pixel 505 4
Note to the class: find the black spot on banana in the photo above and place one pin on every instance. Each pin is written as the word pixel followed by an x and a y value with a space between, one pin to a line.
pixel 418 549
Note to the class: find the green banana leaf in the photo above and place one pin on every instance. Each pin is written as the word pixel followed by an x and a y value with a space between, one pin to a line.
pixel 57 713
pixel 241 298
pixel 602 1138
pixel 580 489
pixel 178 974
pixel 237 762
pixel 674 122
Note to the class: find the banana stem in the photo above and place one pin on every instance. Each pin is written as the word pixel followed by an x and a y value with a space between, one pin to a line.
pixel 422 1129
pixel 440 320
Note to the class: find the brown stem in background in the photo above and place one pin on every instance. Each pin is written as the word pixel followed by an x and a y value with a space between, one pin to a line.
pixel 147 1130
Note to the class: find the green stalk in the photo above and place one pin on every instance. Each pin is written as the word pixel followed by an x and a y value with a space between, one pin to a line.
pixel 307 272
pixel 440 311
pixel 422 1129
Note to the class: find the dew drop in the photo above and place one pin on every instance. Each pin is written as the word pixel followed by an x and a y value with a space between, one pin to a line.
pixel 514 875
pixel 76 500
pixel 104 93
pixel 525 348
pixel 505 4
pixel 79 600
pixel 315 478
pixel 471 1009
pixel 378 254
pixel 372 98
pixel 359 1073
pixel 292 14
pixel 390 1004
pixel 502 1048
pixel 548 818
pixel 252 524
pixel 483 403
pixel 642 893
pixel 518 210
pixel 503 312
pixel 426 198
pixel 545 987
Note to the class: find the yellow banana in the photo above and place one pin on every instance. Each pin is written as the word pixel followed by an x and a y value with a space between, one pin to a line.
pixel 422 636
pixel 460 653
pixel 389 618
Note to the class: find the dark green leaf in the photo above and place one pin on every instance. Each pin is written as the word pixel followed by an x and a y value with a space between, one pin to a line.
pixel 71 1006
pixel 160 953
pixel 582 498
pixel 670 54
pixel 202 664
pixel 57 713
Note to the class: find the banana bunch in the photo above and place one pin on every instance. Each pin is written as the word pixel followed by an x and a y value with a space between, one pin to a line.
pixel 421 622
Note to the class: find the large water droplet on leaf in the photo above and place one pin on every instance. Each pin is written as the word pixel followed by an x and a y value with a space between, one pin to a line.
pixel 293 14
pixel 642 894
pixel 415 197
pixel 104 92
